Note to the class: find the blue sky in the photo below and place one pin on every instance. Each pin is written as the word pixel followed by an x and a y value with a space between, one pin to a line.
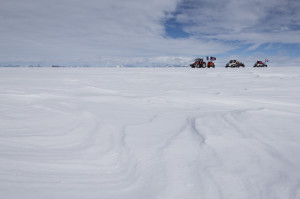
pixel 148 32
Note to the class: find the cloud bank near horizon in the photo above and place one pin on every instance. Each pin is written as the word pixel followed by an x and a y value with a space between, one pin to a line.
pixel 135 32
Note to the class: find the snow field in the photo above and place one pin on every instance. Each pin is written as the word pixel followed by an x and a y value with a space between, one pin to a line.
pixel 151 133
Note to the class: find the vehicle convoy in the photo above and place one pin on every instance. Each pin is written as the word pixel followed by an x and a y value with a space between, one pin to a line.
pixel 260 64
pixel 199 63
pixel 234 64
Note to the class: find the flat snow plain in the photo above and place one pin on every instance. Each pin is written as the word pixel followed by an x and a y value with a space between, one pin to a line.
pixel 150 133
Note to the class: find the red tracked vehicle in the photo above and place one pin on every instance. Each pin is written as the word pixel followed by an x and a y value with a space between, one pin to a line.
pixel 199 63
pixel 210 64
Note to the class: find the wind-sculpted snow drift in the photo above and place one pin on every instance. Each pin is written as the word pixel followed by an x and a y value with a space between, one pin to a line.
pixel 149 133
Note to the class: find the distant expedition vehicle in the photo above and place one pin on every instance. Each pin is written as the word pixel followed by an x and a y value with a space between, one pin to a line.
pixel 234 64
pixel 260 64
pixel 210 64
pixel 199 63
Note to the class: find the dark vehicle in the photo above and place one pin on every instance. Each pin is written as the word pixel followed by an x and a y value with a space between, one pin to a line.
pixel 260 64
pixel 234 64
pixel 199 63
pixel 210 64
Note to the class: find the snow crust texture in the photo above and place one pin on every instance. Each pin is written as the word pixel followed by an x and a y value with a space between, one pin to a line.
pixel 150 133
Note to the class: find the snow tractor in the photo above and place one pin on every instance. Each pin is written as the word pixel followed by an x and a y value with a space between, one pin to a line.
pixel 234 64
pixel 210 64
pixel 199 63
pixel 260 64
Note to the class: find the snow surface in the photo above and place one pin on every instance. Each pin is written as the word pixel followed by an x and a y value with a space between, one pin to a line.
pixel 150 133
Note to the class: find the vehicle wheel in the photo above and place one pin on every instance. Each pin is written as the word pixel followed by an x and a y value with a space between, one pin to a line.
pixel 204 65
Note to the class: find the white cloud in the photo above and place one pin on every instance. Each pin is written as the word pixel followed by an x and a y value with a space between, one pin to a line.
pixel 69 31
pixel 81 30
pixel 242 20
